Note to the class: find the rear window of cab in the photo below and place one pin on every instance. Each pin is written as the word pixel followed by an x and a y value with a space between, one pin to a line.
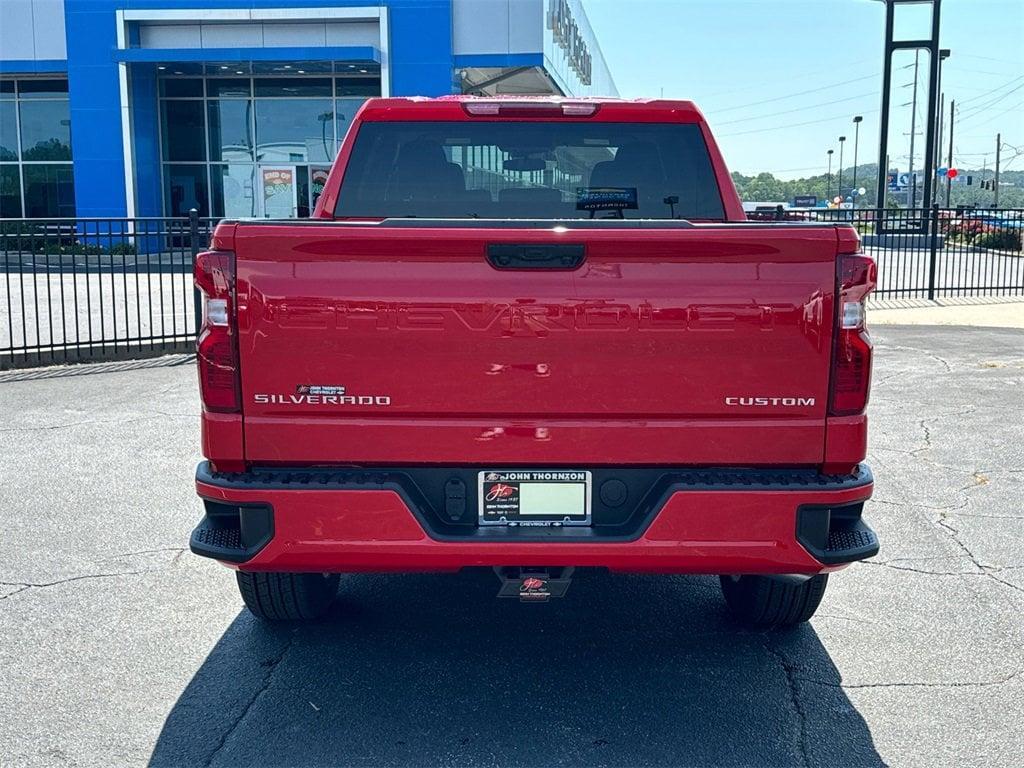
pixel 529 170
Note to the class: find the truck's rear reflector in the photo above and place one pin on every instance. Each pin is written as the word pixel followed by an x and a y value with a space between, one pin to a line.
pixel 530 108
pixel 851 360
pixel 217 342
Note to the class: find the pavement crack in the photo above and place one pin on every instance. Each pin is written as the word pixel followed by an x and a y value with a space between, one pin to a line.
pixel 985 570
pixel 177 550
pixel 990 517
pixel 954 507
pixel 47 584
pixel 271 666
pixel 23 586
pixel 20 588
pixel 1005 583
pixel 916 684
pixel 927 432
pixel 923 570
pixel 943 361
pixel 794 699
pixel 89 422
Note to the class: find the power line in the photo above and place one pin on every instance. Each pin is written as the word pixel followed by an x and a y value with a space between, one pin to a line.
pixel 975 71
pixel 798 109
pixel 995 117
pixel 987 58
pixel 793 95
pixel 974 112
pixel 771 81
pixel 797 125
pixel 983 94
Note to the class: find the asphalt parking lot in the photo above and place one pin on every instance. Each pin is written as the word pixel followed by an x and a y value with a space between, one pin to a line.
pixel 118 647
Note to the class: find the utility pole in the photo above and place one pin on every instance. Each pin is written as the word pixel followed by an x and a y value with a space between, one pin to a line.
pixel 952 112
pixel 944 54
pixel 842 141
pixel 828 194
pixel 999 146
pixel 913 130
pixel 938 143
pixel 856 138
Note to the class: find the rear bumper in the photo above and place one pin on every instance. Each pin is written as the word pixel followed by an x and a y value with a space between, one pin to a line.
pixel 685 521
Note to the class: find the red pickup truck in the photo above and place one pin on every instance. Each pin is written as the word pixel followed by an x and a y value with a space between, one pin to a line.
pixel 533 334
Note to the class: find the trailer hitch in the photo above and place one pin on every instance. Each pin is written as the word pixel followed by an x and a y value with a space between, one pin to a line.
pixel 533 585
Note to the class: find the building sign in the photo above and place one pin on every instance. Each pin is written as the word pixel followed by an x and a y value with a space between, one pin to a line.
pixel 567 36
pixel 805 201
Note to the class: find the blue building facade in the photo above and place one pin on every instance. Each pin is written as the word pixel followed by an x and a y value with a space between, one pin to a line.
pixel 112 108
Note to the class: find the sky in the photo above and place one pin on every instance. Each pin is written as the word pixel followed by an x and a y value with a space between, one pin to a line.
pixel 780 80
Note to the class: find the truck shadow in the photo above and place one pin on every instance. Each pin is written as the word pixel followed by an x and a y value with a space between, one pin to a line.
pixel 432 669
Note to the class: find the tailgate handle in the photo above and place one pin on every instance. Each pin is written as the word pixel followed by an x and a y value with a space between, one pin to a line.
pixel 535 256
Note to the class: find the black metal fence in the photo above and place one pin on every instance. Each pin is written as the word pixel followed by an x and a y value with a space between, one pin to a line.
pixel 95 289
pixel 932 253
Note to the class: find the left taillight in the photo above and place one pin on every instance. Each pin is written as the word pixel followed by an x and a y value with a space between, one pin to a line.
pixel 856 275
pixel 217 342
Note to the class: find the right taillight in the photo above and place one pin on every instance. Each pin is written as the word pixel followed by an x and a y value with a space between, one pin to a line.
pixel 217 342
pixel 851 362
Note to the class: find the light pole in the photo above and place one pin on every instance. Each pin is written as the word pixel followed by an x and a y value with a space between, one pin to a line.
pixel 842 141
pixel 856 138
pixel 828 195
pixel 944 54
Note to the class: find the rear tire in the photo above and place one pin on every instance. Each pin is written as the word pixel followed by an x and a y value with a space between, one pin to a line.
pixel 287 596
pixel 761 601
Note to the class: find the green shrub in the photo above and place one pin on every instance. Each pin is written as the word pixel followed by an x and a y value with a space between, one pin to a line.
pixel 1003 240
pixel 123 249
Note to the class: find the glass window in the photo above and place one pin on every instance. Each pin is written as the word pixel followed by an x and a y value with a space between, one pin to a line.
pixel 235 128
pixel 187 88
pixel 184 135
pixel 49 191
pixel 302 209
pixel 228 88
pixel 232 190
pixel 6 89
pixel 344 111
pixel 230 129
pixel 317 182
pixel 185 188
pixel 358 86
pixel 294 130
pixel 45 130
pixel 42 89
pixel 536 170
pixel 8 130
pixel 10 192
pixel 287 86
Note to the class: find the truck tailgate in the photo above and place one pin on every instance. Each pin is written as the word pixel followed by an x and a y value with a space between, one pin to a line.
pixel 404 345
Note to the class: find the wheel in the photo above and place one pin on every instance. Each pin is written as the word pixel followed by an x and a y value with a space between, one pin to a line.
pixel 766 602
pixel 287 596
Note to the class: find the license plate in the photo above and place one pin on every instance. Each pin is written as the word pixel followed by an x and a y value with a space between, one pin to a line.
pixel 534 497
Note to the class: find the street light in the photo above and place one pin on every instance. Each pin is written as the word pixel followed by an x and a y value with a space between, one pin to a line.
pixel 842 141
pixel 828 195
pixel 944 53
pixel 856 138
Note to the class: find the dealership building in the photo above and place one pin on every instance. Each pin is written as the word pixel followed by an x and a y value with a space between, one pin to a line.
pixel 115 108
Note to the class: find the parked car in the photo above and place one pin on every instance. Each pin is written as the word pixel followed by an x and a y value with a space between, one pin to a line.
pixel 533 335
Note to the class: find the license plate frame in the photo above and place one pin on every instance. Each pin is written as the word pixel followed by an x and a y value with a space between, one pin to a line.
pixel 538 497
